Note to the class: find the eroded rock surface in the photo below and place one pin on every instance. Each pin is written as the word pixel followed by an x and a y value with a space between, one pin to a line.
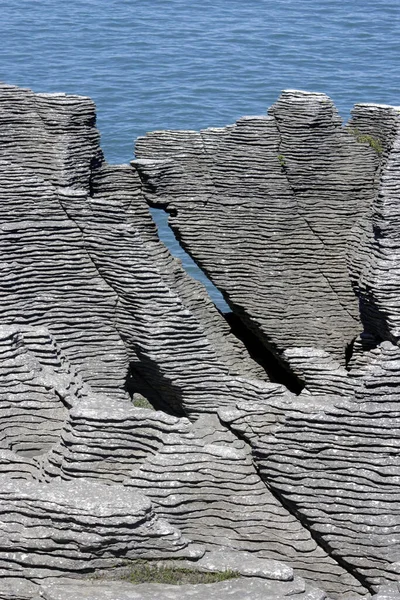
pixel 295 219
pixel 266 207
pixel 237 589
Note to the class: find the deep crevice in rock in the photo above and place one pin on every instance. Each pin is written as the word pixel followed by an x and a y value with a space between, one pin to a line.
pixel 275 369
pixel 168 237
pixel 291 507
pixel 348 353
pixel 160 395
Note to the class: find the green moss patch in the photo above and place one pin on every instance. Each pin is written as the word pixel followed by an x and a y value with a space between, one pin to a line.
pixel 147 572
pixel 141 402
pixel 375 143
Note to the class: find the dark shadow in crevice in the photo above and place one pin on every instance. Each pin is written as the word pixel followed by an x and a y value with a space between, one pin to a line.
pixel 145 378
pixel 361 344
pixel 348 353
pixel 275 369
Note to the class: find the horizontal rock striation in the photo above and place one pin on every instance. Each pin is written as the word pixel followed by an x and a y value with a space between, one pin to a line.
pixel 252 588
pixel 331 455
pixel 103 440
pixel 81 267
pixel 36 390
pixel 295 219
pixel 266 207
pixel 77 526
pixel 203 481
pixel 377 280
pixel 84 259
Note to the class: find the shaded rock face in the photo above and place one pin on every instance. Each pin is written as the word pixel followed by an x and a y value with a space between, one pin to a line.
pixel 294 217
pixel 266 207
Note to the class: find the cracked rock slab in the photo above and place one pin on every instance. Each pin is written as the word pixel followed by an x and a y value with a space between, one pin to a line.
pixel 80 253
pixel 334 459
pixel 203 481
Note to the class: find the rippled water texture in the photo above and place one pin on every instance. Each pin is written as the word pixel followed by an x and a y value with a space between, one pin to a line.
pixel 155 64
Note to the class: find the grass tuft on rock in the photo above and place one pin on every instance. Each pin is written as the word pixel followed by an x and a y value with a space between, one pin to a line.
pixel 141 402
pixel 375 143
pixel 147 572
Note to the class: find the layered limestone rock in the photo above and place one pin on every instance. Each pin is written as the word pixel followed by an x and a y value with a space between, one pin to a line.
pixel 251 588
pixel 334 460
pixel 331 453
pixel 266 207
pixel 295 219
pixel 102 440
pixel 377 280
pixel 204 482
pixel 81 263
pixel 80 254
pixel 36 390
pixel 77 526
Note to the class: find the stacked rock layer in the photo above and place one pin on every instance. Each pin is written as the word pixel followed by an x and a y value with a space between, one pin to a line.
pixel 294 218
pixel 266 207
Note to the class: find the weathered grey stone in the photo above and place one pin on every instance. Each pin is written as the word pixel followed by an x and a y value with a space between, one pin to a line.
pixel 245 563
pixel 292 216
pixel 335 459
pixel 208 487
pixel 80 253
pixel 104 439
pixel 235 589
pixel 266 207
pixel 14 588
pixel 37 388
pixel 376 277
pixel 388 592
pixel 78 526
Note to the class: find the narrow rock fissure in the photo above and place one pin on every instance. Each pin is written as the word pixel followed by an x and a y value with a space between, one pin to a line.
pixel 168 237
pixel 276 370
pixel 149 388
pixel 349 351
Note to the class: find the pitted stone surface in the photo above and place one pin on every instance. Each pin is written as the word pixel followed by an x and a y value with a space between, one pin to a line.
pixel 14 588
pixel 388 592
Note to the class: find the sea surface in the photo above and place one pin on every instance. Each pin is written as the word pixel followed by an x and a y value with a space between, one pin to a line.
pixel 186 64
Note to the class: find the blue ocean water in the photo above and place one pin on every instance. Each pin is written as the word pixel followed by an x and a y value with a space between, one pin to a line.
pixel 184 64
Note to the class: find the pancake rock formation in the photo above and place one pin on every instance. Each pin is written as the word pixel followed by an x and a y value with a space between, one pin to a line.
pixel 137 422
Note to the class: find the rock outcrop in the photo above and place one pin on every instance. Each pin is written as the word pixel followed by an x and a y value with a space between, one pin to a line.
pixel 266 207
pixel 294 217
